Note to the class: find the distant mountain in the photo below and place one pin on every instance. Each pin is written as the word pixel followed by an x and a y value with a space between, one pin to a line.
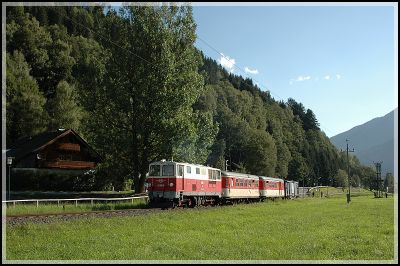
pixel 372 141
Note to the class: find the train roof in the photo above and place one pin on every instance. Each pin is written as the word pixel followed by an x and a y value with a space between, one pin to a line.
pixel 271 178
pixel 226 173
pixel 191 164
pixel 291 181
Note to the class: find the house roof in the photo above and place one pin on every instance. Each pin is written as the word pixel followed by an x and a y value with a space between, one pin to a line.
pixel 34 144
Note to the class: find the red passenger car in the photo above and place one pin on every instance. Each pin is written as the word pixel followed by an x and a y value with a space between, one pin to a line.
pixel 238 187
pixel 271 187
pixel 173 184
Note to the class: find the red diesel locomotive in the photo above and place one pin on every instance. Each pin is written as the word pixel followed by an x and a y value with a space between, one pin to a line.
pixel 172 184
pixel 183 184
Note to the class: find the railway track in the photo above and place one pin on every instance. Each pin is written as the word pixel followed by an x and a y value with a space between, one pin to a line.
pixel 50 217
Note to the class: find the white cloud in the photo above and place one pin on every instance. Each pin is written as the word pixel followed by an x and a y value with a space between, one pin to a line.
pixel 327 77
pixel 227 62
pixel 338 76
pixel 303 78
pixel 248 70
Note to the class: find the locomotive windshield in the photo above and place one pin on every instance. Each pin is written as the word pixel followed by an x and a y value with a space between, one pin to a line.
pixel 168 170
pixel 154 170
pixel 161 170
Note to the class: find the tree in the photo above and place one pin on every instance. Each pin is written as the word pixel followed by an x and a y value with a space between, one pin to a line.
pixel 63 108
pixel 26 115
pixel 341 178
pixel 32 41
pixel 152 84
pixel 310 121
pixel 260 153
pixel 298 169
pixel 389 183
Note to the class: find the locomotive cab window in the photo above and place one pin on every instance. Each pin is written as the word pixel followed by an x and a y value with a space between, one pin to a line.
pixel 168 170
pixel 188 169
pixel 197 171
pixel 154 170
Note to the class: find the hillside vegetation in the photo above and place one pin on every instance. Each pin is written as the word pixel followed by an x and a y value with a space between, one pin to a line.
pixel 135 87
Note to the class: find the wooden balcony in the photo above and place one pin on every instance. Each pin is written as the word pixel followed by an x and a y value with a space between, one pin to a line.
pixel 69 147
pixel 69 164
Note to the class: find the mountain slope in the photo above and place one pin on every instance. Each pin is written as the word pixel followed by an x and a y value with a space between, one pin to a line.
pixel 372 141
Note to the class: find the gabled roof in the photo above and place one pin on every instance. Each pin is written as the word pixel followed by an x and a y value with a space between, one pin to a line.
pixel 28 145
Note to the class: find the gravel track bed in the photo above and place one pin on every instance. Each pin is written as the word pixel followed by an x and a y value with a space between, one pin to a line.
pixel 49 218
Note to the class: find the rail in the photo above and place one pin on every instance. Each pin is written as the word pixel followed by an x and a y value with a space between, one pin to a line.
pixel 92 200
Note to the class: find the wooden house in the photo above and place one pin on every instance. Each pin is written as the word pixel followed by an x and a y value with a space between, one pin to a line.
pixel 58 150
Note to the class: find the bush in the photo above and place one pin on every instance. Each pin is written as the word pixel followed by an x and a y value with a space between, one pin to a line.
pixel 53 181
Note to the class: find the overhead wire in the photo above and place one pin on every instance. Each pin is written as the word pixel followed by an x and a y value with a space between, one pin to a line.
pixel 243 71
pixel 198 37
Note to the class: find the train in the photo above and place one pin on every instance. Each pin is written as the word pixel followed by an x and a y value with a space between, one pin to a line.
pixel 176 184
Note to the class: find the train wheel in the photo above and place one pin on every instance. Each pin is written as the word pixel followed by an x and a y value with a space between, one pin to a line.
pixel 192 202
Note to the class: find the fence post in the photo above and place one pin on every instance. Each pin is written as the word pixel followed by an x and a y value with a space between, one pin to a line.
pixel 76 203
pixel 37 204
pixel 91 201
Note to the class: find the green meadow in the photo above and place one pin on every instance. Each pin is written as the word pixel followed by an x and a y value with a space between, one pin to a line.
pixel 301 229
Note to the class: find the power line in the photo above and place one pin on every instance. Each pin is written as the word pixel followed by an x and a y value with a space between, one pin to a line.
pixel 235 65
pixel 73 21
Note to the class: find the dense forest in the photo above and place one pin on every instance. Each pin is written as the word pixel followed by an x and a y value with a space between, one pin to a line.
pixel 134 86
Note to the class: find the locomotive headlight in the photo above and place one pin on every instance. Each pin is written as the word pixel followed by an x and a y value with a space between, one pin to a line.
pixel 171 184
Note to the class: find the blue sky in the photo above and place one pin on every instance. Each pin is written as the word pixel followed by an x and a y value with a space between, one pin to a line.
pixel 338 61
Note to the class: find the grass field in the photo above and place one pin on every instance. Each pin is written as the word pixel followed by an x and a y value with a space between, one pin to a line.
pixel 302 229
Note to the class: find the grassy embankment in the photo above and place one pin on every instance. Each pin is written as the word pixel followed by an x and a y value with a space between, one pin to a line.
pixel 302 229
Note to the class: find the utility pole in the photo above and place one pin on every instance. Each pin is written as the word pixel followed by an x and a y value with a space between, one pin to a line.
pixel 378 166
pixel 348 169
